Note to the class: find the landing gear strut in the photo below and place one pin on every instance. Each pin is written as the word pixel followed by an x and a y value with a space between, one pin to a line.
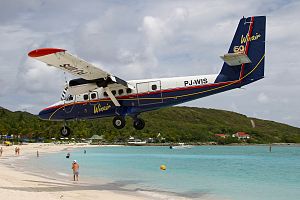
pixel 65 131
pixel 138 123
pixel 119 122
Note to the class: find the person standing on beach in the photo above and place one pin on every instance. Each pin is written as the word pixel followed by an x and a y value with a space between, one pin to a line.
pixel 1 151
pixel 16 151
pixel 75 167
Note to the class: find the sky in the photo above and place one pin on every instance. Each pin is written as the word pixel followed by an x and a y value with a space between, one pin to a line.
pixel 149 39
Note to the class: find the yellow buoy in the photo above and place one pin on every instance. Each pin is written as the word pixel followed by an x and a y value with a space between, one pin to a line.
pixel 163 167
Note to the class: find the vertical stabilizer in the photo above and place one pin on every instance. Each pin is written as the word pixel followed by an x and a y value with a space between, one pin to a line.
pixel 249 39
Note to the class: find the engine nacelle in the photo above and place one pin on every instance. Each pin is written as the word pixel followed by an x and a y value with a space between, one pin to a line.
pixel 79 89
pixel 79 86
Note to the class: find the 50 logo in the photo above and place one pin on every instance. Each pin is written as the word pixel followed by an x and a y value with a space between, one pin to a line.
pixel 239 49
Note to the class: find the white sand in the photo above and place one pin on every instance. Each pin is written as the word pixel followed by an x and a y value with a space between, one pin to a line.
pixel 15 184
pixel 21 183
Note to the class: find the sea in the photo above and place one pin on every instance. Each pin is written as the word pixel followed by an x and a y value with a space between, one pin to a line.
pixel 218 172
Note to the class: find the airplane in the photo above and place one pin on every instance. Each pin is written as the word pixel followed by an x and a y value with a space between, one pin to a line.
pixel 97 93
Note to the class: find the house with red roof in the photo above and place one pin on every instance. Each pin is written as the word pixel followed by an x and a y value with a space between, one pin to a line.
pixel 241 135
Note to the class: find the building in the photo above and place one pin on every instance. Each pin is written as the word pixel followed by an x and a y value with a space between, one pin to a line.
pixel 96 139
pixel 241 135
pixel 135 141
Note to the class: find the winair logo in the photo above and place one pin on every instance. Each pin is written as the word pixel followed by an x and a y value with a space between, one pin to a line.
pixel 98 108
pixel 247 38
pixel 195 82
pixel 244 40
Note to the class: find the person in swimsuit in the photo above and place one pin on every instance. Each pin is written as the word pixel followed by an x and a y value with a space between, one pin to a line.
pixel 75 167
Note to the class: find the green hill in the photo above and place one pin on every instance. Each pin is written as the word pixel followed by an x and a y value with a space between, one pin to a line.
pixel 185 124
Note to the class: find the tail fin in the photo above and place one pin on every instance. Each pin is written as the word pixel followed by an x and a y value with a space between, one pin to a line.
pixel 249 38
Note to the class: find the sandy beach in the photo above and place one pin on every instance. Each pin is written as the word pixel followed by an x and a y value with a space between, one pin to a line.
pixel 18 183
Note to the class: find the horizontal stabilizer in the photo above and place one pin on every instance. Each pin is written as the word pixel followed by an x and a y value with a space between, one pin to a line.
pixel 234 59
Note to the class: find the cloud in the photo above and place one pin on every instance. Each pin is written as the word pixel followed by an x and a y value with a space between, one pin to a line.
pixel 33 78
pixel 155 30
pixel 147 39
pixel 14 10
pixel 263 98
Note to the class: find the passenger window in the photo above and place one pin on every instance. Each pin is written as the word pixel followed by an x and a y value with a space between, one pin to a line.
pixel 85 97
pixel 128 90
pixel 121 91
pixel 114 92
pixel 105 94
pixel 154 87
pixel 93 96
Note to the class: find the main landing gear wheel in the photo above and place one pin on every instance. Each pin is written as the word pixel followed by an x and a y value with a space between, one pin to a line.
pixel 65 131
pixel 138 124
pixel 119 122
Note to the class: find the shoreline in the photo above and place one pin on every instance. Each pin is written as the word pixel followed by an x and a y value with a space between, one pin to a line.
pixel 23 178
pixel 206 144
pixel 18 181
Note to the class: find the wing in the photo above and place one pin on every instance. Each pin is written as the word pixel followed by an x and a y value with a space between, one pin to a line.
pixel 88 73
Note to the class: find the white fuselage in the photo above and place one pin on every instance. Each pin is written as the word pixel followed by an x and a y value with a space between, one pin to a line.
pixel 144 86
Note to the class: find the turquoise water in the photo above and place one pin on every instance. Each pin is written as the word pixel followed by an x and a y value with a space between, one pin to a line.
pixel 230 172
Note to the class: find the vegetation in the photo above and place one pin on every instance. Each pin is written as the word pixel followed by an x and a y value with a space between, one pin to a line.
pixel 175 124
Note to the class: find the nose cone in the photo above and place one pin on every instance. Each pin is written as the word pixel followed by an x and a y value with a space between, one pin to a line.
pixel 44 114
pixel 53 112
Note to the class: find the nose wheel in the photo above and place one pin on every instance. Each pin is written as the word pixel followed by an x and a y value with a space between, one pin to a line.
pixel 65 131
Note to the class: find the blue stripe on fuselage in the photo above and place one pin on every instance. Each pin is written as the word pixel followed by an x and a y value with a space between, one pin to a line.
pixel 130 106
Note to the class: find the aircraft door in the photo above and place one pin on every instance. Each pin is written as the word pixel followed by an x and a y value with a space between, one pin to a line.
pixel 149 93
pixel 69 103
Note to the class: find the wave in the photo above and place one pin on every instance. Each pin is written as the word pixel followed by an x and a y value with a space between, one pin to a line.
pixel 62 174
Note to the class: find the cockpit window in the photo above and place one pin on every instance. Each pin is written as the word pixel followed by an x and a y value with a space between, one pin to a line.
pixel 70 98
pixel 85 97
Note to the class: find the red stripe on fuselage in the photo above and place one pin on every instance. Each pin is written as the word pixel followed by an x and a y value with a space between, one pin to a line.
pixel 133 96
pixel 44 52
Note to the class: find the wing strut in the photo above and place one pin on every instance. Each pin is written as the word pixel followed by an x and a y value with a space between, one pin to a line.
pixel 111 96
